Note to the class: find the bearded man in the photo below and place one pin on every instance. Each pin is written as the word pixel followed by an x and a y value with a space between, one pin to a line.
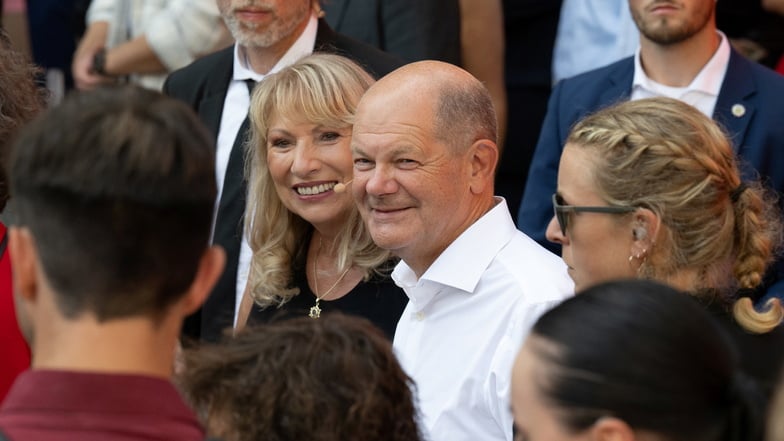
pixel 682 55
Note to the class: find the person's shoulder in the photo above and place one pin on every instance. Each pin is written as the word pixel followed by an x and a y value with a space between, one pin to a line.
pixel 620 70
pixel 587 92
pixel 766 78
pixel 201 70
pixel 532 269
pixel 757 86
pixel 374 60
pixel 523 245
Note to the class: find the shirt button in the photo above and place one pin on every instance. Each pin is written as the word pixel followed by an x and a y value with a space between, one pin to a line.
pixel 419 316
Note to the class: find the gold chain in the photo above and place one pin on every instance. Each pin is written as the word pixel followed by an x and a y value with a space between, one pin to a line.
pixel 315 310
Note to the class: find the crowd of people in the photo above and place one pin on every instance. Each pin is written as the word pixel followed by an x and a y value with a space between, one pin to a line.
pixel 300 235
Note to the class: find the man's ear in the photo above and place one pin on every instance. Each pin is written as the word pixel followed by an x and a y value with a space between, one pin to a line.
pixel 611 429
pixel 24 267
pixel 24 262
pixel 210 268
pixel 484 159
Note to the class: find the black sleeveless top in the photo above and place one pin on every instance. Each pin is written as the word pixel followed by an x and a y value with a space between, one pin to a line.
pixel 378 300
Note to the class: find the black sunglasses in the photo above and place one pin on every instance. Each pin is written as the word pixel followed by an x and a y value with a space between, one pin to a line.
pixel 562 211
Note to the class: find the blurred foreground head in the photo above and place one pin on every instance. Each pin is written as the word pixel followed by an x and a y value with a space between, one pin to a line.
pixel 302 379
pixel 632 360
pixel 113 191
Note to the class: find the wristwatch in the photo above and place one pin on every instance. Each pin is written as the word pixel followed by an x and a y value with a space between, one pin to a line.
pixel 99 62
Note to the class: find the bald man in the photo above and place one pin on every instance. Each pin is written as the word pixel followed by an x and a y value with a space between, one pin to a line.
pixel 424 147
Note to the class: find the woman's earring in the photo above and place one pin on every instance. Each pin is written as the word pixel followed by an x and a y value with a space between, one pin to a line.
pixel 642 256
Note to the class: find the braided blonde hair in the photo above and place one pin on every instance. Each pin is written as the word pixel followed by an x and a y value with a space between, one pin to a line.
pixel 666 156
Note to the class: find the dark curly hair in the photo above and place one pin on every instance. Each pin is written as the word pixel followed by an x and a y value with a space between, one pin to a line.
pixel 21 99
pixel 330 379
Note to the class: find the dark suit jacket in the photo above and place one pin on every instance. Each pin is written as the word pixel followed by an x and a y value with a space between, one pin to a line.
pixel 411 29
pixel 203 86
pixel 757 134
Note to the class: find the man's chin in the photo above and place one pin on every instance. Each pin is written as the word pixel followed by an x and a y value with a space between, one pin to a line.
pixel 385 240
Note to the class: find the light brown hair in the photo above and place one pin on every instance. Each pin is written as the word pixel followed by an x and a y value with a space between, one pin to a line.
pixel 666 156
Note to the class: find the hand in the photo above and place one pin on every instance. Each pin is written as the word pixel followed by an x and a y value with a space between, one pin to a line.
pixel 81 68
pixel 84 76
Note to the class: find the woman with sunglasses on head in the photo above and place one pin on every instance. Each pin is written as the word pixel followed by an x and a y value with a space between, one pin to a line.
pixel 650 189
pixel 311 251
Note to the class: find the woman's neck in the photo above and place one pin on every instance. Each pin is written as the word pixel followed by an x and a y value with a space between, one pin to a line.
pixel 686 280
pixel 324 245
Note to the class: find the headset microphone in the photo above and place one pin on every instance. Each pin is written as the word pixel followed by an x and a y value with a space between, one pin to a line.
pixel 341 187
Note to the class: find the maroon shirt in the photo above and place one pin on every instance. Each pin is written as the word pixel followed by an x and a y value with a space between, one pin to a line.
pixel 49 405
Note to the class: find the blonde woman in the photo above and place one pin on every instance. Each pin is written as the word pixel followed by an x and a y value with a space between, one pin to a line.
pixel 651 189
pixel 311 252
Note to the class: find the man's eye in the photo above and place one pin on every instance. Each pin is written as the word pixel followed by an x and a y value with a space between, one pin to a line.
pixel 407 163
pixel 362 164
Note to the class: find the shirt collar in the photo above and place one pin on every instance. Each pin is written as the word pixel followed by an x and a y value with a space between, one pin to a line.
pixel 453 268
pixel 96 392
pixel 303 46
pixel 708 80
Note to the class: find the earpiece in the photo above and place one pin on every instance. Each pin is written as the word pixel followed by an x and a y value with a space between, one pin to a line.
pixel 639 233
pixel 341 187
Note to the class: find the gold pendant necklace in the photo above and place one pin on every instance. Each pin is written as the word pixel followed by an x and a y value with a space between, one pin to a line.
pixel 315 310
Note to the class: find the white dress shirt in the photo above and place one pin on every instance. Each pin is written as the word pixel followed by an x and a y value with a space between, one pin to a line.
pixel 235 109
pixel 702 92
pixel 465 322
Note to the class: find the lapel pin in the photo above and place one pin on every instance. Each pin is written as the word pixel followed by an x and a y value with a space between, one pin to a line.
pixel 738 110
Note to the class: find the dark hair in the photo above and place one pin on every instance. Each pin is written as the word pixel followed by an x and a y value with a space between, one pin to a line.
pixel 330 379
pixel 650 356
pixel 775 427
pixel 21 99
pixel 117 187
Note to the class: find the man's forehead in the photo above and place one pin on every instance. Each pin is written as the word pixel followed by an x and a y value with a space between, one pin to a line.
pixel 389 140
pixel 391 127
pixel 393 109
pixel 380 148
